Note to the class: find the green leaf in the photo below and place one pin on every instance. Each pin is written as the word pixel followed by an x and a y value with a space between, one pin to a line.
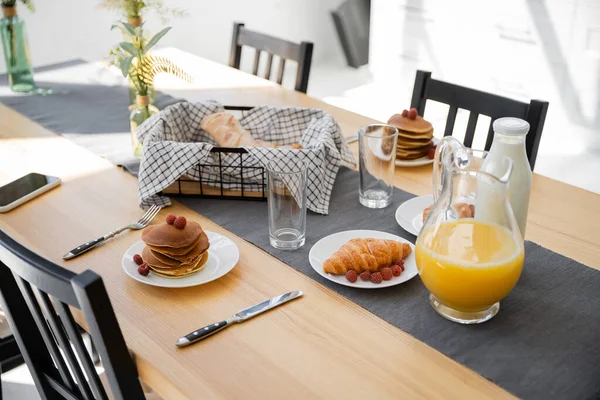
pixel 129 28
pixel 125 65
pixel 156 38
pixel 130 48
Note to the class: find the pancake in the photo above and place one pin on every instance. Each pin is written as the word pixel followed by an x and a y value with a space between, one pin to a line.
pixel 165 235
pixel 150 258
pixel 411 156
pixel 176 260
pixel 416 126
pixel 182 271
pixel 404 135
pixel 413 144
pixel 184 254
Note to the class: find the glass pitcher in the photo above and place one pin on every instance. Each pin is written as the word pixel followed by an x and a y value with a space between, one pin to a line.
pixel 470 251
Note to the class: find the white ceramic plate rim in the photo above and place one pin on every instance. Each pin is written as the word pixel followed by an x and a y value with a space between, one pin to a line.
pixel 328 245
pixel 223 255
pixel 409 214
pixel 419 161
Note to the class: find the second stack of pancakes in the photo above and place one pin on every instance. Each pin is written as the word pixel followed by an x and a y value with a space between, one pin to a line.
pixel 175 253
pixel 414 136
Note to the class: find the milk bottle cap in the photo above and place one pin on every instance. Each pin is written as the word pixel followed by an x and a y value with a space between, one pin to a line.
pixel 511 126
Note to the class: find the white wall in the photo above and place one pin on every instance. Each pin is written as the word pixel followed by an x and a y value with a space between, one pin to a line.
pixel 65 29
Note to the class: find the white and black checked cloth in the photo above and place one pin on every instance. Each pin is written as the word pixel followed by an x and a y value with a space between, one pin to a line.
pixel 176 146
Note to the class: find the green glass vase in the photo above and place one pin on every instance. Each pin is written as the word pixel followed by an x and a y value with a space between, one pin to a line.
pixel 139 114
pixel 16 51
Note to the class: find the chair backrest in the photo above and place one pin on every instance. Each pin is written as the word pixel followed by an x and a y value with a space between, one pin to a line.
pixel 37 297
pixel 477 103
pixel 285 50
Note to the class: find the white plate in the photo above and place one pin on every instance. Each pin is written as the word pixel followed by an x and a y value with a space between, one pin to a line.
pixel 410 213
pixel 223 254
pixel 419 161
pixel 325 247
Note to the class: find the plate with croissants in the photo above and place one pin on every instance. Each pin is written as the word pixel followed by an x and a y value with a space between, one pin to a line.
pixel 364 259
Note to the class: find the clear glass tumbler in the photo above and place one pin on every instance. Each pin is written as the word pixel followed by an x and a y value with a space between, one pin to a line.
pixel 287 180
pixel 377 156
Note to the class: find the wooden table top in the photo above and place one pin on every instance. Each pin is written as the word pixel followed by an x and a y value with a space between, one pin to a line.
pixel 321 346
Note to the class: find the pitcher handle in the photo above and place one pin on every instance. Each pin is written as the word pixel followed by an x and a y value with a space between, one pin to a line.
pixel 443 161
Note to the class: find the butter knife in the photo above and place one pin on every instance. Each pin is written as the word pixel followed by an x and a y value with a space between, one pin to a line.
pixel 241 316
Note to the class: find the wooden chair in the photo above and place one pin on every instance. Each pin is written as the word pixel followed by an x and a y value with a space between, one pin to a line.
pixel 301 53
pixel 477 102
pixel 37 297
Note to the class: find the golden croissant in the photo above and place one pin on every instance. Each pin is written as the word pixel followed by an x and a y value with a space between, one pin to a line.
pixel 365 255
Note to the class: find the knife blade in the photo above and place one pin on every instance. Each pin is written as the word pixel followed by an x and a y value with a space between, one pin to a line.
pixel 241 316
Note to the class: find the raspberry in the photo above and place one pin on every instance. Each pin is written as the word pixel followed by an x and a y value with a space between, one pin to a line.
pixel 138 259
pixel 405 113
pixel 386 273
pixel 365 276
pixel 399 262
pixel 396 270
pixel 144 269
pixel 431 152
pixel 376 277
pixel 171 219
pixel 180 222
pixel 412 114
pixel 351 276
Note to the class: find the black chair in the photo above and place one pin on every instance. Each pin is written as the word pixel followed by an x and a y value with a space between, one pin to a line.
pixel 301 53
pixel 10 356
pixel 478 102
pixel 37 297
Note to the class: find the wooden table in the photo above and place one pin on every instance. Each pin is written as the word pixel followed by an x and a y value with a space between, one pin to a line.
pixel 321 346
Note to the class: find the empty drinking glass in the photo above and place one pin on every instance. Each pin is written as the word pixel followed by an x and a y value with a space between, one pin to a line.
pixel 287 182
pixel 377 160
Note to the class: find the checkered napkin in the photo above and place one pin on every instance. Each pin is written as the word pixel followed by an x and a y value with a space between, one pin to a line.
pixel 175 146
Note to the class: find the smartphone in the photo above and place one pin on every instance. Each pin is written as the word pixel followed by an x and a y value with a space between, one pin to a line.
pixel 17 192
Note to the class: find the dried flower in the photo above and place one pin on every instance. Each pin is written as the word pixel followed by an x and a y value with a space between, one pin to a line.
pixel 136 8
pixel 135 61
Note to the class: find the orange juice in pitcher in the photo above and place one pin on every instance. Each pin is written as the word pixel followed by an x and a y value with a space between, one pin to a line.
pixel 469 265
pixel 469 262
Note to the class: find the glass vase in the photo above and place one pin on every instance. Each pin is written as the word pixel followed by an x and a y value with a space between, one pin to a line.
pixel 16 51
pixel 139 114
pixel 133 94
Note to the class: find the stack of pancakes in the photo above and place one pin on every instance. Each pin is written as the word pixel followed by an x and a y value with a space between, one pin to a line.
pixel 414 136
pixel 175 253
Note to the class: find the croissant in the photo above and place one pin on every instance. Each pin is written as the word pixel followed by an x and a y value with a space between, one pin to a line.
pixel 365 255
pixel 227 131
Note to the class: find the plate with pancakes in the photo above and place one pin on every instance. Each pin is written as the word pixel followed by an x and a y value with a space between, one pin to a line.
pixel 415 139
pixel 176 256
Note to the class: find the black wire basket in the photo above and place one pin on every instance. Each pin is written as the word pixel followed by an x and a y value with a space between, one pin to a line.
pixel 221 188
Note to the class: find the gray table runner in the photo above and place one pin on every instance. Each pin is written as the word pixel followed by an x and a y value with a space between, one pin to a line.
pixel 92 114
pixel 543 344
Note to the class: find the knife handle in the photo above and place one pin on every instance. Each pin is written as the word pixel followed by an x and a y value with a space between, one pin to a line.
pixel 201 333
pixel 83 248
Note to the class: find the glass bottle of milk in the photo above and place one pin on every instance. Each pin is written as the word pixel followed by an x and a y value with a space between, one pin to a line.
pixel 509 141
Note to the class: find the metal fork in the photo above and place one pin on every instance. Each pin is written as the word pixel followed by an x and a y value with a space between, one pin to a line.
pixel 143 222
